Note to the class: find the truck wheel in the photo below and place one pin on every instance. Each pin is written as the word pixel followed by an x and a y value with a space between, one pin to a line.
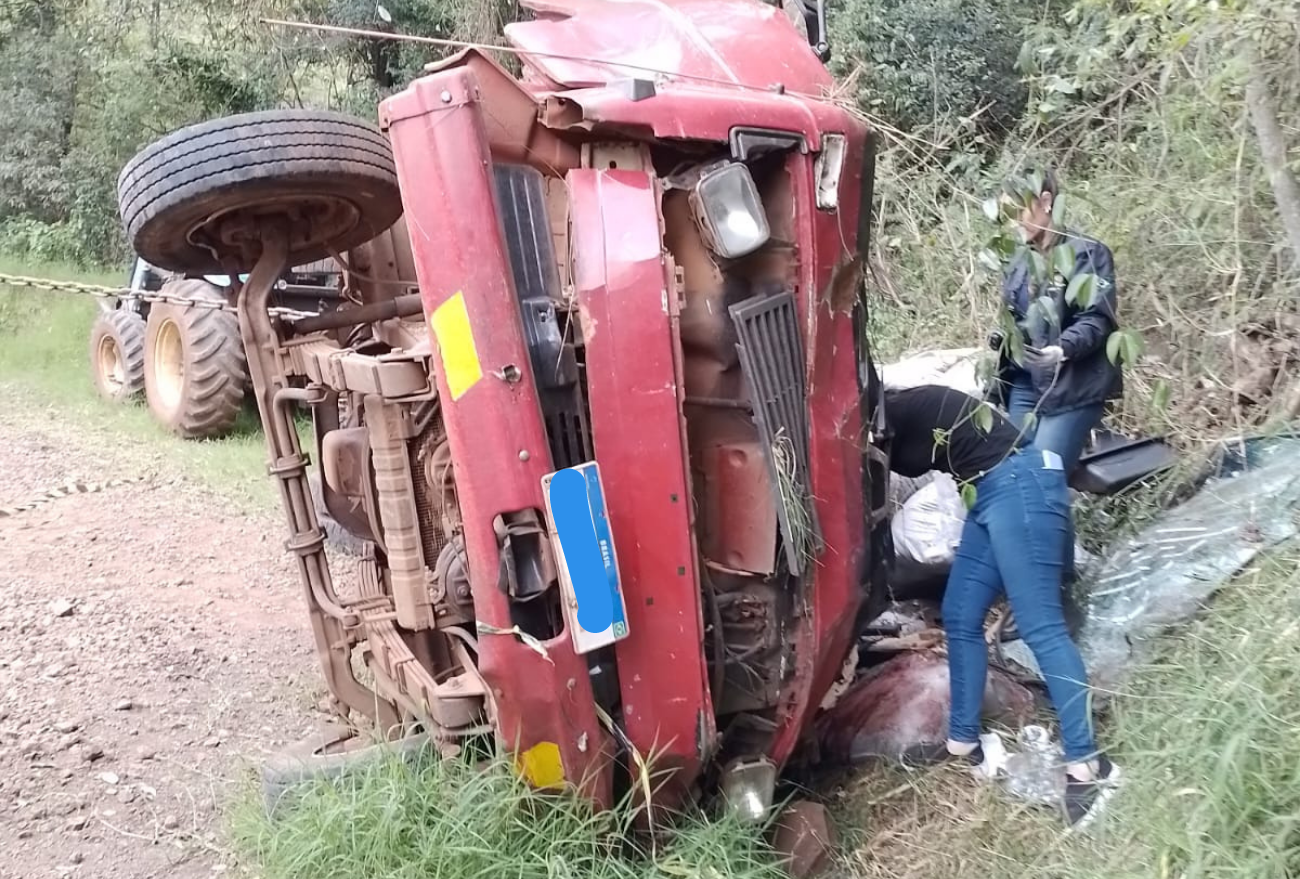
pixel 194 368
pixel 331 176
pixel 329 756
pixel 117 355
pixel 336 536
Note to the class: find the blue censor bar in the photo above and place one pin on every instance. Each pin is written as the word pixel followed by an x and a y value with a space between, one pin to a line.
pixel 575 505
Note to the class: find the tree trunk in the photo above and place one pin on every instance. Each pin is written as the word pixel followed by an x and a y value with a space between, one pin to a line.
pixel 1272 148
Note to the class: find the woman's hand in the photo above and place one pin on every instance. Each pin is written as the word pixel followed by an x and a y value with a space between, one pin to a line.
pixel 1045 358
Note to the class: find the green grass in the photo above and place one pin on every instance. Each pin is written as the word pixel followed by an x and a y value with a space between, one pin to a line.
pixel 445 818
pixel 44 364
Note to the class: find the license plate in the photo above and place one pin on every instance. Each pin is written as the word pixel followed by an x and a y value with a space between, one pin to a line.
pixel 588 564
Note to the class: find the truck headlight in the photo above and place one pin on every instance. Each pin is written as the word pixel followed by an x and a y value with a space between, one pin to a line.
pixel 729 211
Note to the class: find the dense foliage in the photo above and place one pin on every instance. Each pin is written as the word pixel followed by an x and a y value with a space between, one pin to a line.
pixel 1171 123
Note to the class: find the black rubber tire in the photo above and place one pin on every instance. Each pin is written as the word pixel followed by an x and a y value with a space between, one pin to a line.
pixel 332 172
pixel 200 395
pixel 118 374
pixel 310 761
pixel 336 536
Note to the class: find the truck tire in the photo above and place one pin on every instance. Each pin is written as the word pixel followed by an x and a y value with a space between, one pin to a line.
pixel 329 756
pixel 117 355
pixel 336 536
pixel 194 367
pixel 331 175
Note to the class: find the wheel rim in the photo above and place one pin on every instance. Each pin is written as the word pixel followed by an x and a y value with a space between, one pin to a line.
pixel 168 365
pixel 112 366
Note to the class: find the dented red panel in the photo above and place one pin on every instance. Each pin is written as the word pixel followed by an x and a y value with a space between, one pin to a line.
pixel 694 112
pixel 727 42
pixel 629 320
pixel 493 423
pixel 835 448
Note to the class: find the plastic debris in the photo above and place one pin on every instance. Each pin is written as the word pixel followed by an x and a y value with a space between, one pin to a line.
pixel 927 529
pixel 1166 573
pixel 953 368
pixel 1036 771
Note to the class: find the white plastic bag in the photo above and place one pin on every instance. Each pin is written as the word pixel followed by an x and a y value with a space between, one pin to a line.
pixel 927 528
pixel 952 368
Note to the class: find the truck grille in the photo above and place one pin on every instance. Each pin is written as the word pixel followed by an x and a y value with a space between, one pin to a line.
pixel 771 358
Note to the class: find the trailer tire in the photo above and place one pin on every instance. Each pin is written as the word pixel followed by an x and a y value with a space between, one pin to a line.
pixel 329 175
pixel 194 367
pixel 117 355
pixel 328 756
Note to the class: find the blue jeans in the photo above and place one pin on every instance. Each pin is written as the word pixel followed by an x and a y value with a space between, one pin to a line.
pixel 1065 433
pixel 1014 541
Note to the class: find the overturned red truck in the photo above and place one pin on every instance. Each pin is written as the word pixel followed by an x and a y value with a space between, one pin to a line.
pixel 601 402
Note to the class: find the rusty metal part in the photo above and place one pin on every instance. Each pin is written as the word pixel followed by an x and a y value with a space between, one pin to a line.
pixel 396 375
pixel 402 306
pixel 389 429
pixel 334 635
pixel 738 514
pixel 430 493
pixel 347 488
pixel 451 707
pixel 381 269
pixel 718 403
pixel 804 837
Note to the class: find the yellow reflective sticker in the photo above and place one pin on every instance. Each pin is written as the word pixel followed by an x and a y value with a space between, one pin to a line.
pixel 450 324
pixel 541 765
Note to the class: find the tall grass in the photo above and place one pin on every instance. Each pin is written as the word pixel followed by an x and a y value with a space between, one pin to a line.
pixel 445 818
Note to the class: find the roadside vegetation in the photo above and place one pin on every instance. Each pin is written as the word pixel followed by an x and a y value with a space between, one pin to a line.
pixel 44 365
pixel 1172 124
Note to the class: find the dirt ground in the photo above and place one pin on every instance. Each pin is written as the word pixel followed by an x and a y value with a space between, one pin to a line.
pixel 152 648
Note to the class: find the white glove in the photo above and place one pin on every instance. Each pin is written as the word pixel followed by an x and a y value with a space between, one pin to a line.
pixel 1049 357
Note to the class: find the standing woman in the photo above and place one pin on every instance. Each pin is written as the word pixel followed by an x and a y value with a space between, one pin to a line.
pixel 1013 542
pixel 1066 377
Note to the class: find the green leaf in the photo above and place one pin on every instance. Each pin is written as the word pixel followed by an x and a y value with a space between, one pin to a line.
pixel 1113 343
pixel 1044 308
pixel 1037 266
pixel 1058 209
pixel 983 418
pixel 1005 246
pixel 991 209
pixel 1013 343
pixel 989 260
pixel 940 437
pixel 1160 396
pixel 1063 259
pixel 1030 422
pixel 1082 288
pixel 968 495
pixel 1132 347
